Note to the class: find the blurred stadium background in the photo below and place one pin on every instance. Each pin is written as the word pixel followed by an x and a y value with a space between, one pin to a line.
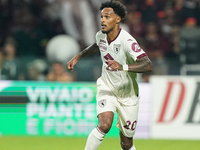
pixel 44 106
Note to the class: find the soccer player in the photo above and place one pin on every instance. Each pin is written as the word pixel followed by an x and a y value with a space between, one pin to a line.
pixel 117 89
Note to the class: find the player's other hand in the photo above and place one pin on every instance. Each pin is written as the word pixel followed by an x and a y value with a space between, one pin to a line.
pixel 113 65
pixel 72 63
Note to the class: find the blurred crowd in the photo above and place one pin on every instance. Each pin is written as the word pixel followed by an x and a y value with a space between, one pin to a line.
pixel 38 37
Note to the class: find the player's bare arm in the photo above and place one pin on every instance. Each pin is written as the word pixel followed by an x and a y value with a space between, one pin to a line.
pixel 142 65
pixel 90 50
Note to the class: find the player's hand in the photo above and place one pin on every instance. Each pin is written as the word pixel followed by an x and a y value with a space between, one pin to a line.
pixel 113 65
pixel 72 63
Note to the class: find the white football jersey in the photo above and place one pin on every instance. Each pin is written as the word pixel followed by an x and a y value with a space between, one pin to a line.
pixel 125 50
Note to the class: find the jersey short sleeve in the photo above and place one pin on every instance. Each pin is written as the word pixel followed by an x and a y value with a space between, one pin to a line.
pixel 98 36
pixel 133 48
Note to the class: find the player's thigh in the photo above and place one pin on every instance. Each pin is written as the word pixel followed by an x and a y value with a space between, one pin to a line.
pixel 105 121
pixel 106 109
pixel 106 100
pixel 127 117
pixel 106 106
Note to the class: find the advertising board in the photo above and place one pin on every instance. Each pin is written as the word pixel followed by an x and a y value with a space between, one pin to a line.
pixel 176 107
pixel 58 109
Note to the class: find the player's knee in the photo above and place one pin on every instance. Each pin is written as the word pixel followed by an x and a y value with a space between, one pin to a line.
pixel 126 146
pixel 105 127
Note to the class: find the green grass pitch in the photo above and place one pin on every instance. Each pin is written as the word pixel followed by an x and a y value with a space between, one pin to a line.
pixel 64 143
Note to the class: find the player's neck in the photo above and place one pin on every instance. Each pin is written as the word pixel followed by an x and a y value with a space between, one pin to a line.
pixel 112 34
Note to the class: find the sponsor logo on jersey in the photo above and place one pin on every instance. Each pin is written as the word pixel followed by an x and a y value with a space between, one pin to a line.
pixel 135 47
pixel 102 41
pixel 116 48
pixel 102 47
pixel 102 103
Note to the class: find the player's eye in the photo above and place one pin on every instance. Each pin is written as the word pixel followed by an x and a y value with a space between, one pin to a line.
pixel 107 17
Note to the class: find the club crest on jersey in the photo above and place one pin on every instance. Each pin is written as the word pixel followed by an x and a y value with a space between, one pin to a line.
pixel 102 103
pixel 116 48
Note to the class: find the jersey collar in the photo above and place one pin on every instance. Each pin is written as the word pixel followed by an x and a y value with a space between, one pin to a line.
pixel 115 37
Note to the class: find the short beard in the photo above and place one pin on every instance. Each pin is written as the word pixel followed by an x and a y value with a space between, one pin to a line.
pixel 105 32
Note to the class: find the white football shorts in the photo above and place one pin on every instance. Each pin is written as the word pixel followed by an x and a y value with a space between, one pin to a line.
pixel 127 115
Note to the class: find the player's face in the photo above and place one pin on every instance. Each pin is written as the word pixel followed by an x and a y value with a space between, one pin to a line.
pixel 109 20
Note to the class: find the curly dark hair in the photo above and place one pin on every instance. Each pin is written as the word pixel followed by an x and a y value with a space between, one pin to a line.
pixel 118 7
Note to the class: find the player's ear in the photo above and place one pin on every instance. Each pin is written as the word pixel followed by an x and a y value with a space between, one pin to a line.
pixel 118 19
